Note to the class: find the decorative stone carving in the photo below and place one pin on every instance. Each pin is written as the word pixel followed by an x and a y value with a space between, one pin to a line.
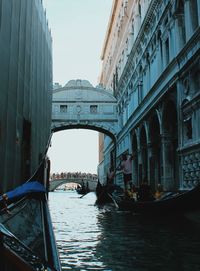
pixel 191 169
pixel 78 109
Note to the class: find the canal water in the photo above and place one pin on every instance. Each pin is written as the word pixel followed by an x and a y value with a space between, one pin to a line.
pixel 102 238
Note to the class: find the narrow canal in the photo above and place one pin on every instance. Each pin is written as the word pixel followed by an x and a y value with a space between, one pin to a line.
pixel 93 238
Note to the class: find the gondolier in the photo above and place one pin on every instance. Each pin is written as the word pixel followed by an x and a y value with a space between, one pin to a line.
pixel 126 167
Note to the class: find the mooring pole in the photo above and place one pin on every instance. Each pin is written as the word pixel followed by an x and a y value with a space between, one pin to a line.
pixel 2 258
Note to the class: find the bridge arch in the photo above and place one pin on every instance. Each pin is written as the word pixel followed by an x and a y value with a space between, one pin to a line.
pixel 55 183
pixel 63 126
pixel 80 105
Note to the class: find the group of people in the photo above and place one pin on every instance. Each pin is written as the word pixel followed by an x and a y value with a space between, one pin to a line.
pixel 63 175
pixel 141 193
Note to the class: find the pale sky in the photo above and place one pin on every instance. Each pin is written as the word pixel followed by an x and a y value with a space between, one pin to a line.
pixel 78 30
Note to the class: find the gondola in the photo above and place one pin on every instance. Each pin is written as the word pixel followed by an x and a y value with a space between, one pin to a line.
pixel 26 236
pixel 82 191
pixel 104 193
pixel 180 202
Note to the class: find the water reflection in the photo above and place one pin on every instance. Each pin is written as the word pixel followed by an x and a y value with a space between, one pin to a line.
pixel 92 238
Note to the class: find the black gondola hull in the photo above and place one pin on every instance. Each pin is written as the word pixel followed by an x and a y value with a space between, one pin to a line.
pixel 181 203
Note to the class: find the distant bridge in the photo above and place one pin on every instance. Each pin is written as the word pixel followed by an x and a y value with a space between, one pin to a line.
pixel 55 183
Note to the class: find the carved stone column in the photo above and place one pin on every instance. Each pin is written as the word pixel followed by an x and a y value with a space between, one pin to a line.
pixel 135 168
pixel 151 161
pixel 167 170
pixel 144 163
pixel 139 165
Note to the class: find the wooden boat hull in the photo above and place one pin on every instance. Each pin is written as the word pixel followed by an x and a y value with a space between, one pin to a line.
pixel 82 191
pixel 26 234
pixel 103 198
pixel 104 193
pixel 180 202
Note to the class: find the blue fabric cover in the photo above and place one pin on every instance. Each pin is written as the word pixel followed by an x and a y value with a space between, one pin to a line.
pixel 26 188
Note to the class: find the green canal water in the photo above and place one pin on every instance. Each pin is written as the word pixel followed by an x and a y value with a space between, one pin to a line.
pixel 93 238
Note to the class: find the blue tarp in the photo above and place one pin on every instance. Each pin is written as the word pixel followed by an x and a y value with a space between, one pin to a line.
pixel 26 188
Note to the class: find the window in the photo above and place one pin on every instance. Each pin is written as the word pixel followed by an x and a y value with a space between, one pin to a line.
pixel 116 77
pixel 132 27
pixel 167 51
pixel 140 85
pixel 93 109
pixel 63 108
pixel 188 128
pixel 114 86
pixel 180 15
pixel 140 10
pixel 194 14
pixel 140 91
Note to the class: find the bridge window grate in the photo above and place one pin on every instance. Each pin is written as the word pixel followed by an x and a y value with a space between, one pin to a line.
pixel 63 108
pixel 93 109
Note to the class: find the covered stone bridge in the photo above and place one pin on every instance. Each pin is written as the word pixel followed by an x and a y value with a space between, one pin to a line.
pixel 79 105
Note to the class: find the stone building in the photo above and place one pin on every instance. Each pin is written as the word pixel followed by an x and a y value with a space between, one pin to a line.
pixel 151 61
pixel 25 89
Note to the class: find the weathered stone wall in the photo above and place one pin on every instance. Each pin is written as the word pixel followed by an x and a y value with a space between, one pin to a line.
pixel 25 89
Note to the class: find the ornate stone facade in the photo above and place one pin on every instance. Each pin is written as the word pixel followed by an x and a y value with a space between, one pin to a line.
pixel 151 61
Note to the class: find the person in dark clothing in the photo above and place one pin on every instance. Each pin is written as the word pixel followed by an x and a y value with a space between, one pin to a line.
pixel 144 192
pixel 110 175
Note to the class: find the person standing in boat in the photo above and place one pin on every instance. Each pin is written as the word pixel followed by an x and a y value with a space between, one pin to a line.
pixel 110 180
pixel 126 167
pixel 110 175
pixel 83 188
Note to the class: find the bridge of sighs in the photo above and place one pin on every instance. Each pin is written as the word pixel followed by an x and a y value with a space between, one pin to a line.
pixel 80 105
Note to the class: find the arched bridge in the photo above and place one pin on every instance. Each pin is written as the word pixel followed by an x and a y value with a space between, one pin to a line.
pixel 79 105
pixel 55 183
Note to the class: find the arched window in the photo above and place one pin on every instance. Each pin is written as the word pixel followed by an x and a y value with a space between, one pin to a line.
pixel 116 77
pixel 140 10
pixel 167 56
pixel 132 27
pixel 187 122
pixel 179 12
pixel 140 84
pixel 193 14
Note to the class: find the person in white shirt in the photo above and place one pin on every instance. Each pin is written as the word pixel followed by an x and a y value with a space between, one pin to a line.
pixel 126 167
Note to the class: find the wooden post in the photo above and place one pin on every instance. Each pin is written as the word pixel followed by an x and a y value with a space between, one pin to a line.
pixel 2 258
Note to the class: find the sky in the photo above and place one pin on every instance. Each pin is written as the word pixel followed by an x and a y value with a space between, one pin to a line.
pixel 78 29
